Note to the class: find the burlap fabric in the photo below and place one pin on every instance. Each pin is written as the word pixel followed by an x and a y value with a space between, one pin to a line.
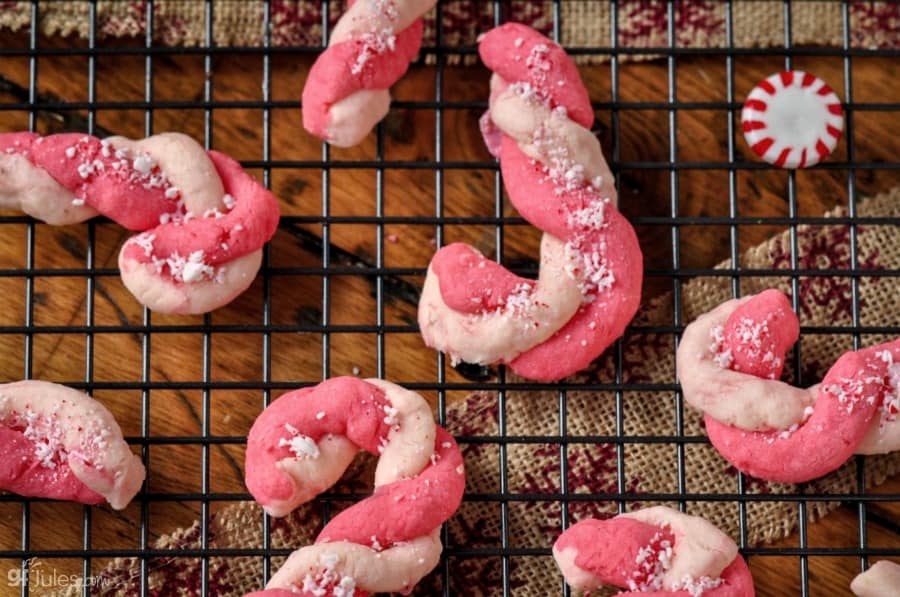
pixel 582 23
pixel 647 412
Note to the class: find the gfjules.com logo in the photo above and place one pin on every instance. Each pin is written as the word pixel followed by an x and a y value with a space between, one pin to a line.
pixel 40 575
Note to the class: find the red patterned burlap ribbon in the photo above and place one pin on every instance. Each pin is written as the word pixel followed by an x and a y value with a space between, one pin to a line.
pixel 582 23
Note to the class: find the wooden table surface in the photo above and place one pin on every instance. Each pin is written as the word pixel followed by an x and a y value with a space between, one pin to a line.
pixel 409 135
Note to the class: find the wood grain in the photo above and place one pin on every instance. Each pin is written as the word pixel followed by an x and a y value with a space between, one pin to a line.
pixel 409 134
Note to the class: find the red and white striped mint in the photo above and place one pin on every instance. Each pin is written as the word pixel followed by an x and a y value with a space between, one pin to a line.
pixel 792 119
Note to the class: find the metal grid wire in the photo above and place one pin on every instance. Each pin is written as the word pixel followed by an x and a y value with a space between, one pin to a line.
pixel 334 261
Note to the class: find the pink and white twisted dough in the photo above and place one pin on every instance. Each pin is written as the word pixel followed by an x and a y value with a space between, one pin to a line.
pixel 346 93
pixel 591 269
pixel 301 445
pixel 202 219
pixel 655 551
pixel 729 362
pixel 61 444
pixel 882 579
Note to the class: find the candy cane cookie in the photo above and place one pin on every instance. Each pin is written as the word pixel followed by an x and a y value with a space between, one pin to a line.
pixel 882 579
pixel 589 283
pixel 61 444
pixel 301 445
pixel 347 91
pixel 729 363
pixel 655 550
pixel 202 220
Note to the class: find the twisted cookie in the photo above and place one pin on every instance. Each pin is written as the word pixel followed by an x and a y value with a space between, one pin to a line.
pixel 655 550
pixel 346 92
pixel 729 362
pixel 203 220
pixel 301 445
pixel 591 267
pixel 61 444
pixel 881 580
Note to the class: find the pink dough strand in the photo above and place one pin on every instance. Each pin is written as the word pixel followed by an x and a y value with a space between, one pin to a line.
pixel 427 501
pixel 110 184
pixel 351 407
pixel 241 230
pixel 23 473
pixel 601 254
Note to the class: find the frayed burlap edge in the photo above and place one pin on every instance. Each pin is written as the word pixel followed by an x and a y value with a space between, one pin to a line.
pixel 583 23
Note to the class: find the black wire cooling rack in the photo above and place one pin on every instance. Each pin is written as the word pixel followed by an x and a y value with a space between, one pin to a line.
pixel 336 261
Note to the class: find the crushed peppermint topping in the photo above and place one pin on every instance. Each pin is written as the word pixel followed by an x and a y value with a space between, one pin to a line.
pixel 751 333
pixel 376 41
pixel 328 579
pixel 722 358
pixel 88 169
pixel 345 588
pixel 538 62
pixel 585 262
pixel 696 587
pixel 47 436
pixel 585 250
pixel 590 216
pixel 195 269
pixel 188 269
pixel 121 164
pixel 566 173
pixel 851 391
pixel 519 304
pixel 145 241
pixel 653 561
pixel 301 445
pixel 520 301
pixel 228 200
pixel 144 163
pixel 528 92
pixel 890 403
pixel 390 415
pixel 311 586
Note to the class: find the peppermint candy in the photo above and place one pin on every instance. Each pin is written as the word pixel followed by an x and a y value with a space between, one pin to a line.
pixel 792 119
